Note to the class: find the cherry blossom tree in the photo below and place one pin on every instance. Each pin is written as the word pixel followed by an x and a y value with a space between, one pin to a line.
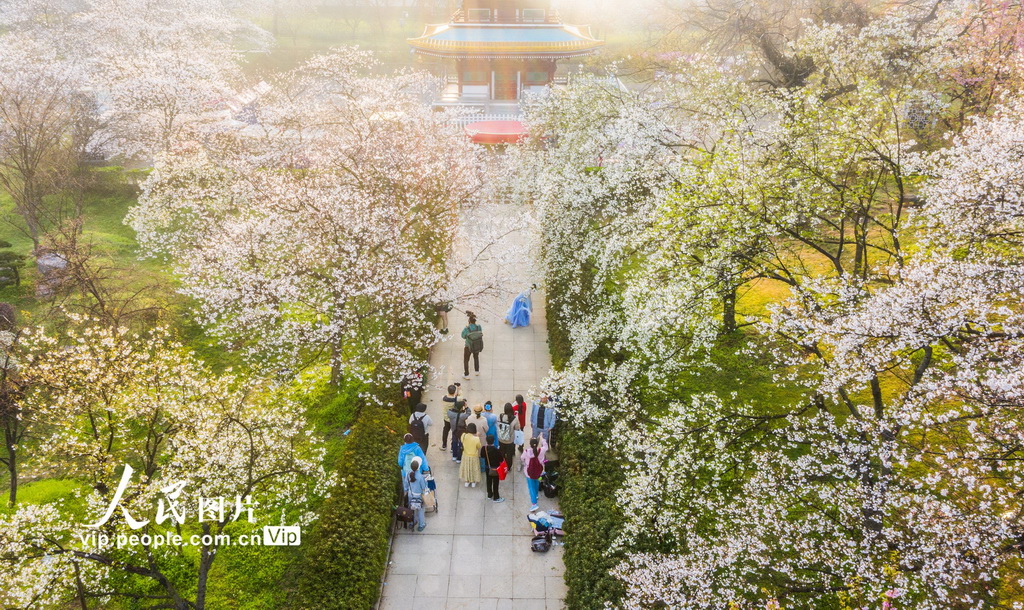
pixel 888 470
pixel 144 424
pixel 163 69
pixel 40 105
pixel 325 229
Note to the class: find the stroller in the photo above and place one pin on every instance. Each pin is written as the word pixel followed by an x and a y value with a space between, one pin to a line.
pixel 430 496
pixel 549 480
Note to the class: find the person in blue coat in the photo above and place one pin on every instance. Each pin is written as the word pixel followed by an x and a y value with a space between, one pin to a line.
pixel 415 486
pixel 542 419
pixel 407 454
pixel 492 421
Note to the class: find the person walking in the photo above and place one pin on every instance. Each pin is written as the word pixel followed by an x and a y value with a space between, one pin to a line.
pixel 469 471
pixel 453 398
pixel 415 487
pixel 533 461
pixel 457 417
pixel 542 419
pixel 419 426
pixel 474 337
pixel 508 425
pixel 493 458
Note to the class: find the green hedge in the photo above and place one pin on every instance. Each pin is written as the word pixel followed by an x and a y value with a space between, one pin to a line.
pixel 590 478
pixel 346 551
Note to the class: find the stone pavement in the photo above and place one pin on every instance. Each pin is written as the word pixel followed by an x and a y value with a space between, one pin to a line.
pixel 475 553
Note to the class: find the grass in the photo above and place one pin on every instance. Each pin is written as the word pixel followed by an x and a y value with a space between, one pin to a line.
pixel 43 491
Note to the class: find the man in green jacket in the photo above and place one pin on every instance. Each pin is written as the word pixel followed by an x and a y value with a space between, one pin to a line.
pixel 474 336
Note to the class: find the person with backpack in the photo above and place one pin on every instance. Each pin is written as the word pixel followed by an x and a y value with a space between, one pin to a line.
pixel 469 471
pixel 474 337
pixel 493 458
pixel 457 416
pixel 507 427
pixel 415 487
pixel 453 398
pixel 533 462
pixel 419 426
pixel 542 419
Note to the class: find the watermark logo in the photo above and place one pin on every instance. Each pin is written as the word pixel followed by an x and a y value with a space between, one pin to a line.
pixel 210 509
pixel 281 535
pixel 170 508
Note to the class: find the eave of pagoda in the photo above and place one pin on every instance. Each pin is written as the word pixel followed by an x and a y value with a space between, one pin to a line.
pixel 506 41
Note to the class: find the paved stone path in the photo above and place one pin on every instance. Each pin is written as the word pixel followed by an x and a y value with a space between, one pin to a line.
pixel 475 553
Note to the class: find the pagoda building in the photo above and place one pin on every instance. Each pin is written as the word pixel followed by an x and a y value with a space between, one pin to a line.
pixel 501 49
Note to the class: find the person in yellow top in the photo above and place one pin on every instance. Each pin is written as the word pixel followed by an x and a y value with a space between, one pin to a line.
pixel 469 471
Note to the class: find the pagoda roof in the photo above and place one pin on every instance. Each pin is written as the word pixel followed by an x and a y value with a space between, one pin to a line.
pixel 508 41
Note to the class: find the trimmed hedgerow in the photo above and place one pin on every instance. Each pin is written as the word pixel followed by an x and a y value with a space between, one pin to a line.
pixel 346 552
pixel 590 478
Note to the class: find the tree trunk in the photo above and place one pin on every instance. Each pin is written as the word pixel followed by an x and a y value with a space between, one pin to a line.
pixel 12 471
pixel 10 443
pixel 729 310
pixel 206 556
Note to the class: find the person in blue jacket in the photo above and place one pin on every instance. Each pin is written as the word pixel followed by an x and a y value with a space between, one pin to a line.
pixel 492 421
pixel 415 486
pixel 407 454
pixel 542 419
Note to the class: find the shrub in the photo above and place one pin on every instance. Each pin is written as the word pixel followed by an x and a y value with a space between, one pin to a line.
pixel 346 552
pixel 590 478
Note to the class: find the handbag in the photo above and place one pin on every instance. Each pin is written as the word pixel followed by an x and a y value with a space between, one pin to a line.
pixel 520 437
pixel 502 470
pixel 405 514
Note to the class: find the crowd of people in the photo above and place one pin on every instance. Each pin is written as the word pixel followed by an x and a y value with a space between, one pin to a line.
pixel 483 442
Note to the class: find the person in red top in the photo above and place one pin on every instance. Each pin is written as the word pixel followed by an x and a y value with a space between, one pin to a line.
pixel 519 406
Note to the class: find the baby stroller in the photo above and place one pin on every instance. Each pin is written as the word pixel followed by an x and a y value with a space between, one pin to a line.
pixel 549 480
pixel 430 496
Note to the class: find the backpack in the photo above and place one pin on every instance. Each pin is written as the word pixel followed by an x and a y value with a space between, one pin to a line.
pixel 504 431
pixel 534 469
pixel 416 427
pixel 475 338
pixel 541 543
